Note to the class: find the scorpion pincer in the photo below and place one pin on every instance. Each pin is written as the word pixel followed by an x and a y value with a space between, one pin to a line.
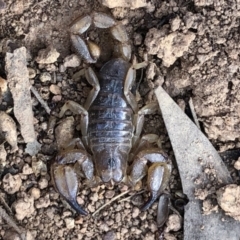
pixel 111 124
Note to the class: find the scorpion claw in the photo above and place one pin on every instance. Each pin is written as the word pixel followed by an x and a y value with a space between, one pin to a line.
pixel 151 200
pixel 81 25
pixel 65 181
pixel 89 51
pixel 82 48
pixel 158 173
pixel 158 178
pixel 102 20
pixel 73 203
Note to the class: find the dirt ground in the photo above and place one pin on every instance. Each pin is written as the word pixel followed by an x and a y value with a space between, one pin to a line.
pixel 192 49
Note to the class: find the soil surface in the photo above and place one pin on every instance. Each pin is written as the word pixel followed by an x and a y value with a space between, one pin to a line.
pixel 191 48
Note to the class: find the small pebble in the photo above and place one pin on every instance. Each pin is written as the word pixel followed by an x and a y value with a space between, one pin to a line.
pixel 11 183
pixel 2 5
pixel 153 227
pixel 138 231
pixel 109 193
pixel 143 215
pixel 44 17
pixel 55 89
pixel 31 72
pixel 70 223
pixel 67 214
pixel 62 68
pixel 118 217
pixel 237 164
pixel 79 220
pixel 137 200
pixel 27 170
pixel 57 98
pixel 42 202
pixel 45 77
pixel 3 155
pixel 175 24
pixel 137 39
pixel 43 183
pixel 150 236
pixel 94 197
pixel 80 200
pixel 83 230
pixel 91 208
pixel 24 207
pixel 135 212
pixel 111 235
pixel 71 61
pixel 3 86
pixel 35 192
pixel 168 236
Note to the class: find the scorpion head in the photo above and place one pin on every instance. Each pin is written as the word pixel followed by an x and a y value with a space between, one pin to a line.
pixel 111 164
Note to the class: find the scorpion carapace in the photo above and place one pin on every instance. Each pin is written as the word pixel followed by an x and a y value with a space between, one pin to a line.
pixel 111 124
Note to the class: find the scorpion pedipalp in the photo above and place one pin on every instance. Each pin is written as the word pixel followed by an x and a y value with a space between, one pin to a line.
pixel 65 178
pixel 65 181
pixel 81 25
pixel 158 173
pixel 89 51
pixel 102 20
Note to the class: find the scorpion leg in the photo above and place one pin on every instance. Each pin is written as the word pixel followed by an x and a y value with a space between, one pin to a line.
pixel 150 108
pixel 65 178
pixel 139 114
pixel 93 80
pixel 147 140
pixel 129 80
pixel 77 109
pixel 152 138
pixel 158 173
pixel 75 143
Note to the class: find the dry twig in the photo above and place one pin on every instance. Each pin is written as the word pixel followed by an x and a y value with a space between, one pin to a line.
pixel 11 222
pixel 2 200
pixel 112 200
pixel 129 197
pixel 39 98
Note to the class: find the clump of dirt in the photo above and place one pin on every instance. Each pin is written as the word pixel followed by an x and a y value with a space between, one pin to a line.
pixel 11 183
pixel 207 186
pixel 228 198
pixel 209 207
pixel 174 223
pixel 168 46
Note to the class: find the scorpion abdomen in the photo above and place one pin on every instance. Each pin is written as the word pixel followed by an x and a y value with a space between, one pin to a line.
pixel 110 116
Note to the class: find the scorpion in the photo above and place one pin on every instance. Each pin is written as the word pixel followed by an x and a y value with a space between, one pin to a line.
pixel 111 149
